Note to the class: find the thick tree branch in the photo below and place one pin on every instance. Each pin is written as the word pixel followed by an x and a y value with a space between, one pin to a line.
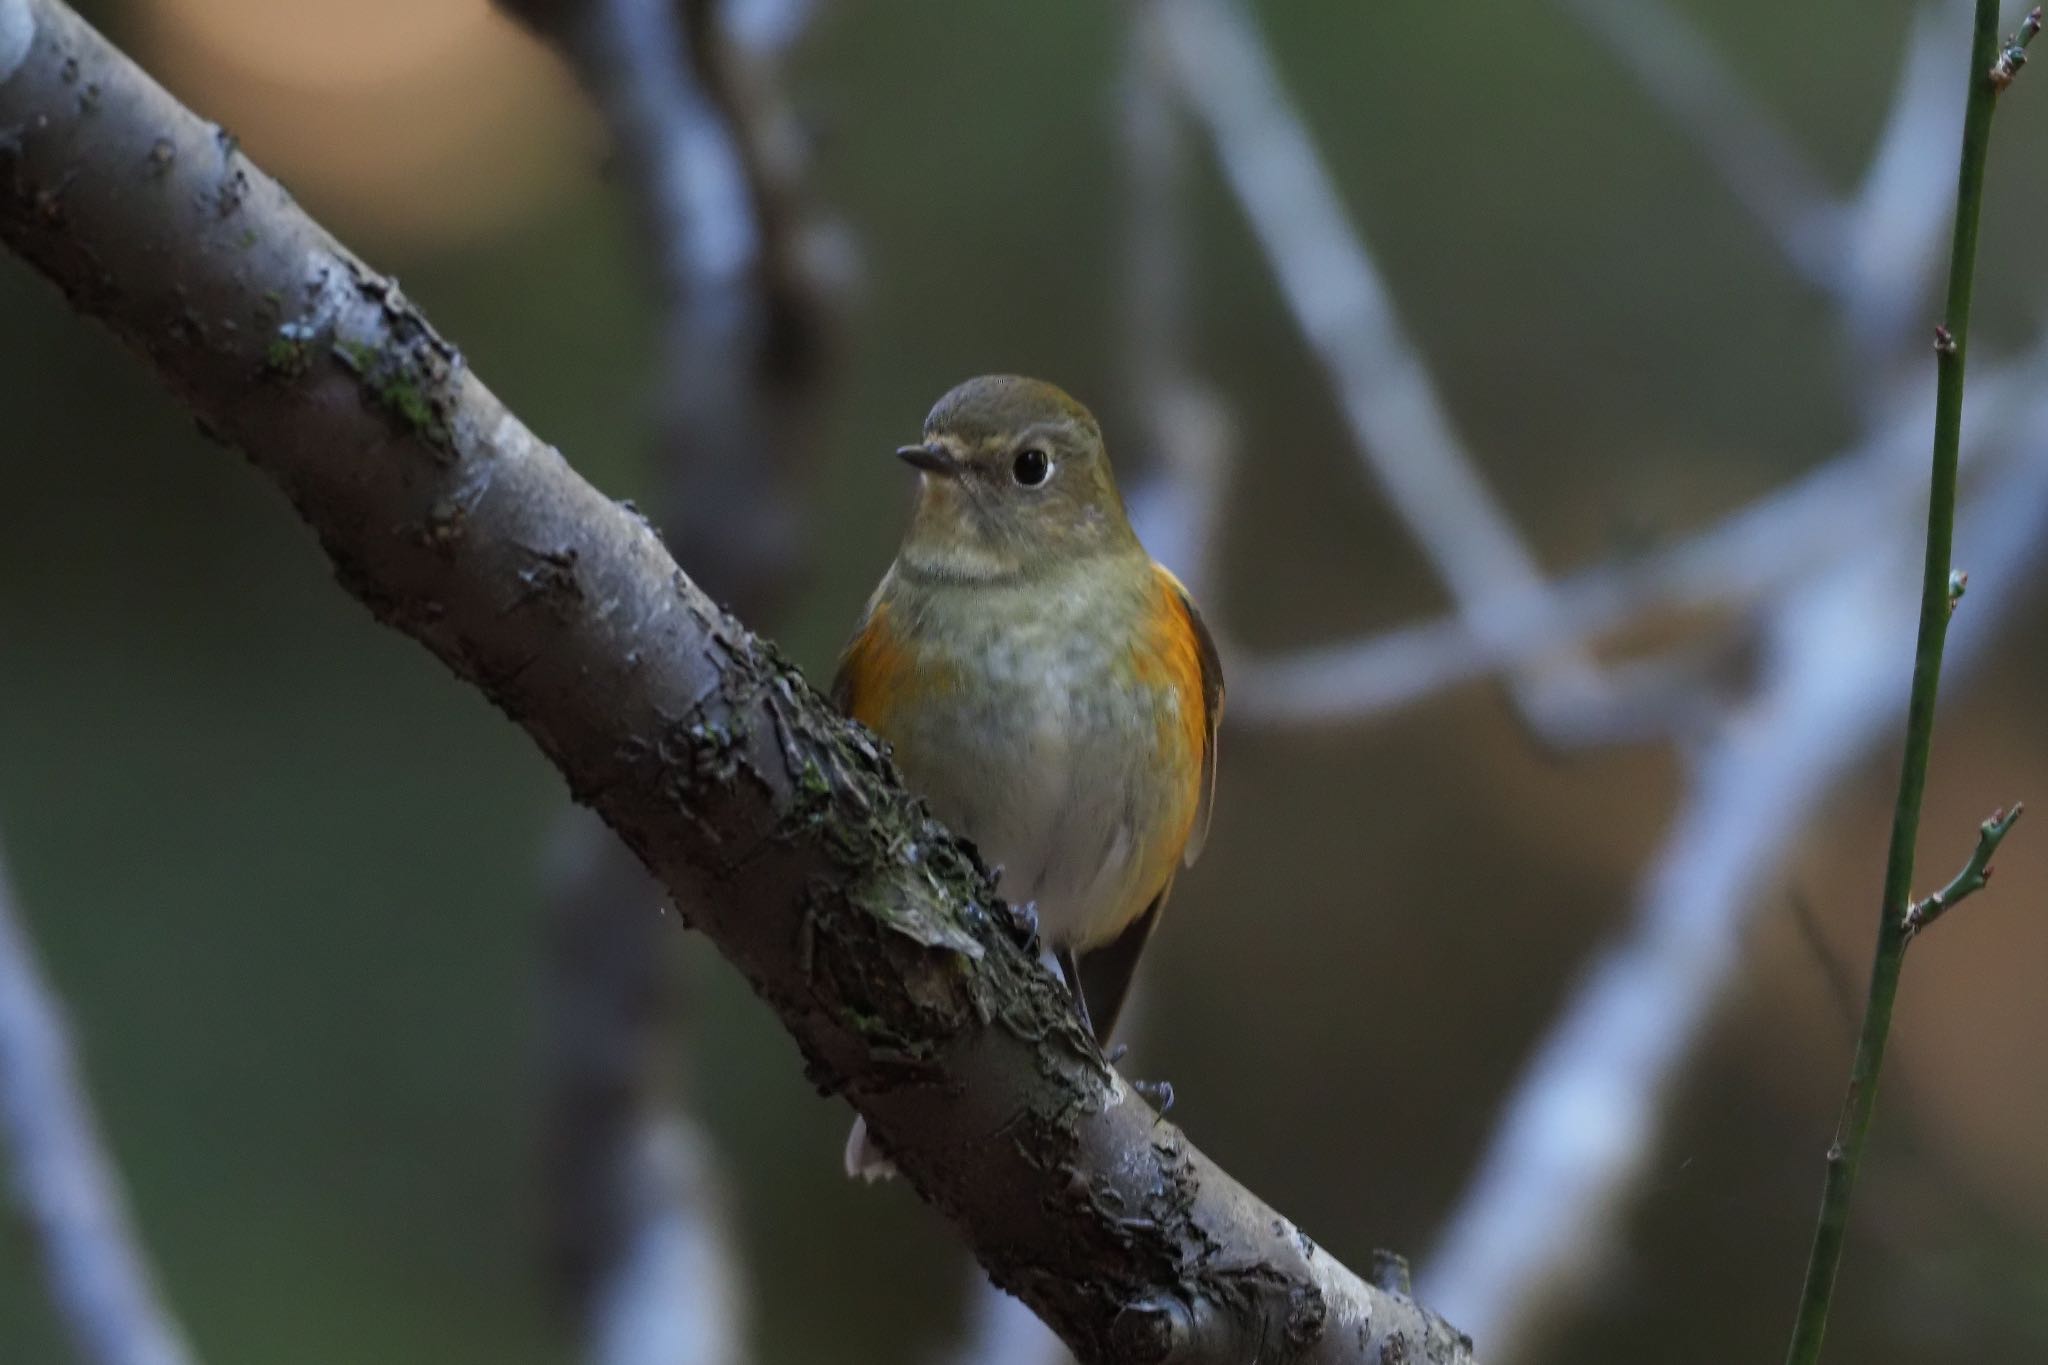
pixel 875 937
pixel 712 160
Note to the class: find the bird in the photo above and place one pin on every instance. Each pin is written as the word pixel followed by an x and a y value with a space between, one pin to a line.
pixel 1048 687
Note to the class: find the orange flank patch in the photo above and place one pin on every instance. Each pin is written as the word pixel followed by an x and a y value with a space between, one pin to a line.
pixel 1169 656
pixel 876 675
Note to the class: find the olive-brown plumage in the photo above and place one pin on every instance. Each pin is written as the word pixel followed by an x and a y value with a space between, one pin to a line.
pixel 1047 686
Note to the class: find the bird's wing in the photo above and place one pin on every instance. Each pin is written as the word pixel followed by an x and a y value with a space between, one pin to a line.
pixel 1106 972
pixel 869 667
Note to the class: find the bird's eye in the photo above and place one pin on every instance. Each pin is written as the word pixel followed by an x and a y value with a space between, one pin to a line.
pixel 1031 467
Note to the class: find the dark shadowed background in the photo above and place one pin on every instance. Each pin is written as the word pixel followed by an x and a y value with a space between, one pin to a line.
pixel 286 872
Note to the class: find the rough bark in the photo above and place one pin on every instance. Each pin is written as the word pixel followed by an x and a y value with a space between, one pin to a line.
pixel 874 936
pixel 708 155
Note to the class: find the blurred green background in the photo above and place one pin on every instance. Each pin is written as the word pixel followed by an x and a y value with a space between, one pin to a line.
pixel 285 871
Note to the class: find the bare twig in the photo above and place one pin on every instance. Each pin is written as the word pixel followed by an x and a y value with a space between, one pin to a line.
pixel 776 823
pixel 1975 875
pixel 2013 54
pixel 1920 1153
pixel 66 1189
pixel 1990 71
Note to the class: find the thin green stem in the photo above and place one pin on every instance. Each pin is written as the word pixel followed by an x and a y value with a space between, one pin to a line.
pixel 1988 59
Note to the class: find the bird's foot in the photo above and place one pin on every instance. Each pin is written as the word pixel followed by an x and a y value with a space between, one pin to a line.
pixel 1158 1093
pixel 1070 972
pixel 1024 924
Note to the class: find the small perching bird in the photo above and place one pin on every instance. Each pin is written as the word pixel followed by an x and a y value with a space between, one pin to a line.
pixel 1047 686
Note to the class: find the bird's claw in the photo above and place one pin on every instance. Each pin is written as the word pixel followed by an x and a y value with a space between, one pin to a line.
pixel 1117 1053
pixel 1158 1093
pixel 1024 923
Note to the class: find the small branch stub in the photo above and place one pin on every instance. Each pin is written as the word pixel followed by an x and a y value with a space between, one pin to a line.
pixel 1958 584
pixel 1944 340
pixel 2014 54
pixel 1971 879
pixel 1390 1272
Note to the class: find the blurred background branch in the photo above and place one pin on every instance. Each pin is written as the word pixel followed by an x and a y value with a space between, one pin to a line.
pixel 1676 68
pixel 1403 435
pixel 713 155
pixel 1537 1226
pixel 1873 255
pixel 1811 568
pixel 67 1193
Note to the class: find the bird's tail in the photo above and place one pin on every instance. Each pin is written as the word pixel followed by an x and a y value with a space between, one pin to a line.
pixel 864 1160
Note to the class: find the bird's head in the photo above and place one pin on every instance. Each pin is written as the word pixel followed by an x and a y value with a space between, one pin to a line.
pixel 1014 478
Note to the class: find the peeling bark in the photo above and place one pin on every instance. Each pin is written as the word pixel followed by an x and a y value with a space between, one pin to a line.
pixel 876 938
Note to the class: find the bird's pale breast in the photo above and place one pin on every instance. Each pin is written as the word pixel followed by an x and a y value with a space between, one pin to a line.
pixel 1058 722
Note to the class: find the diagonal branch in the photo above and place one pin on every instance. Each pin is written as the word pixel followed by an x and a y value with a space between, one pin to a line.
pixel 748 320
pixel 1404 435
pixel 1677 68
pixel 1751 556
pixel 66 1189
pixel 714 163
pixel 874 936
pixel 714 157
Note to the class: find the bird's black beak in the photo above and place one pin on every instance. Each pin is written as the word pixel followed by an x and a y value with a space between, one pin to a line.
pixel 932 459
